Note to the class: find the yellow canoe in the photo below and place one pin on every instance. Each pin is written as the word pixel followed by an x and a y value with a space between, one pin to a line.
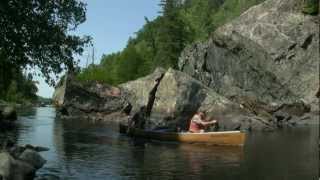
pixel 230 138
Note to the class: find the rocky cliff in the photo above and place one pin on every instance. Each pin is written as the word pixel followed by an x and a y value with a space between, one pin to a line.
pixel 91 100
pixel 258 72
pixel 271 52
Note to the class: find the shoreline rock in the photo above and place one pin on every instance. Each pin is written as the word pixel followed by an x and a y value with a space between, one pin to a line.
pixel 20 162
pixel 92 101
pixel 179 96
pixel 257 72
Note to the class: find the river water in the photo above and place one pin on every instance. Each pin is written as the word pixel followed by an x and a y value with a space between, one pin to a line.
pixel 82 150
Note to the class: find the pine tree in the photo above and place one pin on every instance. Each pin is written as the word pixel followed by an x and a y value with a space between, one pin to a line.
pixel 172 36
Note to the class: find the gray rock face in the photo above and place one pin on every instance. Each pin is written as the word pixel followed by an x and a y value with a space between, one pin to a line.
pixel 137 91
pixel 20 162
pixel 180 96
pixel 270 52
pixel 257 72
pixel 33 158
pixel 13 169
pixel 92 101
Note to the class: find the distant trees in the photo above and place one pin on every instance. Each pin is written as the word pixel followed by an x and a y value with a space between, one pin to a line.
pixel 117 68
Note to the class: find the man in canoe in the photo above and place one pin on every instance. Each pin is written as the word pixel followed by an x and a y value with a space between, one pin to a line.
pixel 198 123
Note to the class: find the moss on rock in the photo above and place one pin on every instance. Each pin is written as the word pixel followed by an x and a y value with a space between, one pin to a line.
pixel 310 7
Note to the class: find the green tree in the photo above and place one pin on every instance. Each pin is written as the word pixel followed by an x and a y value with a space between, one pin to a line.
pixel 129 64
pixel 197 15
pixel 172 36
pixel 33 33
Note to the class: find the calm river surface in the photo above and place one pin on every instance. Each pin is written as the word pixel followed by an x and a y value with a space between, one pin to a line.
pixel 80 150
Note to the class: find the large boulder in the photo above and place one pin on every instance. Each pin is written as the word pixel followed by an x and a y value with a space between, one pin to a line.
pixel 269 52
pixel 92 100
pixel 11 168
pixel 33 158
pixel 137 91
pixel 179 97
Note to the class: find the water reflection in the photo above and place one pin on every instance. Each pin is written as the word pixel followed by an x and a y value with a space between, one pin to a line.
pixel 82 150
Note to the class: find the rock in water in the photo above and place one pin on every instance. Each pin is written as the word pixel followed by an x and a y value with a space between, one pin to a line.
pixel 33 158
pixel 36 148
pixel 93 101
pixel 11 168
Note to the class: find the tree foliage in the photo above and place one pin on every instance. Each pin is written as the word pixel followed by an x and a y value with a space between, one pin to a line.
pixel 172 34
pixel 33 33
pixel 22 88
